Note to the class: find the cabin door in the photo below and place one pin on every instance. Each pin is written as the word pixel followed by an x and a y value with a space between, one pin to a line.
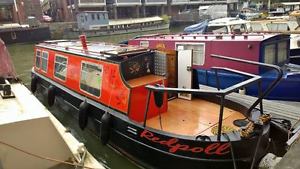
pixel 185 60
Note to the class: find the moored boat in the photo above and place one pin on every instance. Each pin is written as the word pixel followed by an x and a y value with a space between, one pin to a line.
pixel 16 33
pixel 96 23
pixel 123 95
pixel 268 48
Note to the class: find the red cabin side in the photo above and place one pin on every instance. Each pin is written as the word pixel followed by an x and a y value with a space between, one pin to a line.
pixel 115 92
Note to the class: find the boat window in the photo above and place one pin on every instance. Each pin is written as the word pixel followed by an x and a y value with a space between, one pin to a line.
pixel 198 53
pixel 270 52
pixel 60 68
pixel 45 61
pixel 282 51
pixel 91 78
pixel 217 29
pixel 277 27
pixel 256 27
pixel 238 28
pixel 38 59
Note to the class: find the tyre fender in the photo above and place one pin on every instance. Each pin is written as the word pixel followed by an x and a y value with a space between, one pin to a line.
pixel 105 128
pixel 33 84
pixel 83 115
pixel 51 95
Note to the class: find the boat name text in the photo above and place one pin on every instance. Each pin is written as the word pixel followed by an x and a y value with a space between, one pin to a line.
pixel 174 146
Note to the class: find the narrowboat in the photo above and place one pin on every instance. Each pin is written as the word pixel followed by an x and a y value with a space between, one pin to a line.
pixel 123 95
pixel 263 48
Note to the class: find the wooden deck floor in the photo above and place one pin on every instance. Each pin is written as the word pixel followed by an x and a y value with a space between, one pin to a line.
pixel 193 117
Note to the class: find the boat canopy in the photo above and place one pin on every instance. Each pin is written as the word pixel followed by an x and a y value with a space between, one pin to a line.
pixel 197 28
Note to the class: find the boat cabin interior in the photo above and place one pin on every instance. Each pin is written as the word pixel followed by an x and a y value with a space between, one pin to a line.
pixel 140 82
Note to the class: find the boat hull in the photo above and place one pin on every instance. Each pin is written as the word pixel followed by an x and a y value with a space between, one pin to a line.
pixel 22 35
pixel 156 149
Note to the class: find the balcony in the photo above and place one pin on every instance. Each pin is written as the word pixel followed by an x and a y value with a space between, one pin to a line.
pixel 180 2
pixel 155 2
pixel 128 2
pixel 91 3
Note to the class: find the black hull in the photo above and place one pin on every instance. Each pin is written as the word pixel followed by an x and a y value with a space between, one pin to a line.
pixel 22 35
pixel 126 137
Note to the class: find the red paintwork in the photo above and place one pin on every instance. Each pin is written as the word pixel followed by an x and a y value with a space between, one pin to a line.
pixel 138 103
pixel 114 92
pixel 244 47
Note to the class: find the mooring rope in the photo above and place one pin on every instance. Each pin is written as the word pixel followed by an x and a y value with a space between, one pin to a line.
pixel 75 164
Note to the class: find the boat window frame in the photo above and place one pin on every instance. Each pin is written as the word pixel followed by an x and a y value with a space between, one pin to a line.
pixel 100 87
pixel 45 71
pixel 54 70
pixel 193 43
pixel 38 50
pixel 276 43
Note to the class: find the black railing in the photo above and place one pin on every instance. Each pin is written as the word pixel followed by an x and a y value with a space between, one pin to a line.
pixel 221 93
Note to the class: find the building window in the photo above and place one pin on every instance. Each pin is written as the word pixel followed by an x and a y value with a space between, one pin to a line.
pixel 45 61
pixel 91 78
pixel 60 68
pixel 98 16
pixel 38 59
pixel 93 17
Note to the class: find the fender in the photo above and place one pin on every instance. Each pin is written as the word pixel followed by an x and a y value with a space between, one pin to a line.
pixel 33 84
pixel 83 115
pixel 105 128
pixel 51 95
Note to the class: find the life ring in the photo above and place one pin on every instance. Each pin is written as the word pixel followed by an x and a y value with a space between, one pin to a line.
pixel 51 95
pixel 83 115
pixel 105 128
pixel 33 84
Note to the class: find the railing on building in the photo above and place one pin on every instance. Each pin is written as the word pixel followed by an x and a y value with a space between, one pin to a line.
pixel 91 3
pixel 156 2
pixel 128 2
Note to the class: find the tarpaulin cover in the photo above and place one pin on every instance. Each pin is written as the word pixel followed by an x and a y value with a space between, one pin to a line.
pixel 7 69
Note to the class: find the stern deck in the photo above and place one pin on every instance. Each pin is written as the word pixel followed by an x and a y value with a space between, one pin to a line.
pixel 193 117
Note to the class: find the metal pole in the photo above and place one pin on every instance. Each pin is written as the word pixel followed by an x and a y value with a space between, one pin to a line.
pixel 220 118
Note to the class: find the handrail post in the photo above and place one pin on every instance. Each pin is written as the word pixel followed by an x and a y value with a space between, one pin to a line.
pixel 147 107
pixel 217 79
pixel 220 117
pixel 260 95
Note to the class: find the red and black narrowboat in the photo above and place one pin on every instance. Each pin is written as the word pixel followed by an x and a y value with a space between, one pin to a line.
pixel 123 95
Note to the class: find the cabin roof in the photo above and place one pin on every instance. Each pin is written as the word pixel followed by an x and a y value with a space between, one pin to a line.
pixel 98 50
pixel 209 37
pixel 134 20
